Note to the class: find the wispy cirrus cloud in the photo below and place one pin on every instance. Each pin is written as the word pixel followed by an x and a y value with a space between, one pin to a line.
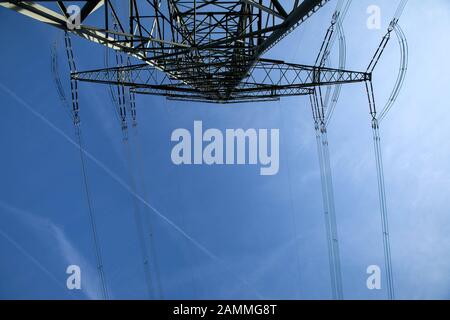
pixel 49 233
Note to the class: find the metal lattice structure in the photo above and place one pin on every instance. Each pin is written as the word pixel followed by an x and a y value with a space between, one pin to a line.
pixel 212 51
pixel 200 50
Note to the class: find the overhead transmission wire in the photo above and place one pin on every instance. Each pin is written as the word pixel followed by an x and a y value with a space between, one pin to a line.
pixel 119 102
pixel 74 115
pixel 148 217
pixel 327 192
pixel 140 168
pixel 322 143
pixel 127 188
pixel 138 154
pixel 333 254
pixel 78 133
pixel 332 40
pixel 404 60
pixel 322 113
pixel 330 106
pixel 376 118
pixel 112 96
pixel 122 113
pixel 57 78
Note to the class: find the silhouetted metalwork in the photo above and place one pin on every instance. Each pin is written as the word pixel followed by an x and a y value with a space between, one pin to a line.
pixel 212 51
pixel 199 50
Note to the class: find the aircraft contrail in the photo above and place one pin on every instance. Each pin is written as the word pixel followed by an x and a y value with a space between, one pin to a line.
pixel 115 177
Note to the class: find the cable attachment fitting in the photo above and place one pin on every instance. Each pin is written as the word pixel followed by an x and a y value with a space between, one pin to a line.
pixel 124 128
pixel 375 124
pixel 76 119
pixel 392 25
pixel 371 99
pixel 323 127
pixel 335 17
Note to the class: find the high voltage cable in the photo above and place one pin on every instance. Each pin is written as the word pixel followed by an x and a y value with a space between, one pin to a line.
pixel 57 78
pixel 376 133
pixel 127 188
pixel 330 107
pixel 404 59
pixel 140 168
pixel 334 232
pixel 384 213
pixel 98 250
pixel 120 104
pixel 111 88
pixel 75 110
pixel 147 218
pixel 328 198
pixel 403 44
pixel 138 221
pixel 320 119
pixel 121 99
pixel 326 206
pixel 74 89
pixel 400 9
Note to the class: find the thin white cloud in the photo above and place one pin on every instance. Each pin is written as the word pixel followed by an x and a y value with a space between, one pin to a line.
pixel 49 232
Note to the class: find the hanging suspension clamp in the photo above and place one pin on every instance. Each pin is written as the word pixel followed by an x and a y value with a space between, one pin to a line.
pixel 132 99
pixel 372 105
pixel 76 119
pixel 318 111
pixel 335 18
pixel 371 99
pixel 124 128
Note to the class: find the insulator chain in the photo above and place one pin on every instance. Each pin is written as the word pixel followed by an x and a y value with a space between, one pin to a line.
pixel 318 109
pixel 76 122
pixel 132 97
pixel 382 46
pixel 324 50
pixel 73 82
pixel 121 88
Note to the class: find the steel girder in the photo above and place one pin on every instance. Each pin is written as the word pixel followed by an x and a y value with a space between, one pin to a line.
pixel 268 79
pixel 207 49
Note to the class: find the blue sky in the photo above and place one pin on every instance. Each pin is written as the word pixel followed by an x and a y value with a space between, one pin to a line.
pixel 226 232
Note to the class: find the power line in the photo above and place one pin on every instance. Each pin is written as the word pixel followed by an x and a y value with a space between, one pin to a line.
pixel 327 196
pixel 320 120
pixel 147 218
pixel 404 58
pixel 76 122
pixel 331 106
pixel 376 117
pixel 189 58
pixel 121 98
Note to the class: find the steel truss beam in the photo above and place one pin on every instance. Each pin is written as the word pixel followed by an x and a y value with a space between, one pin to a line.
pixel 210 48
pixel 268 79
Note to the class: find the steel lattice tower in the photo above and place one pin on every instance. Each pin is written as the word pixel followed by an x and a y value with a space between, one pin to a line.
pixel 198 50
pixel 212 51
